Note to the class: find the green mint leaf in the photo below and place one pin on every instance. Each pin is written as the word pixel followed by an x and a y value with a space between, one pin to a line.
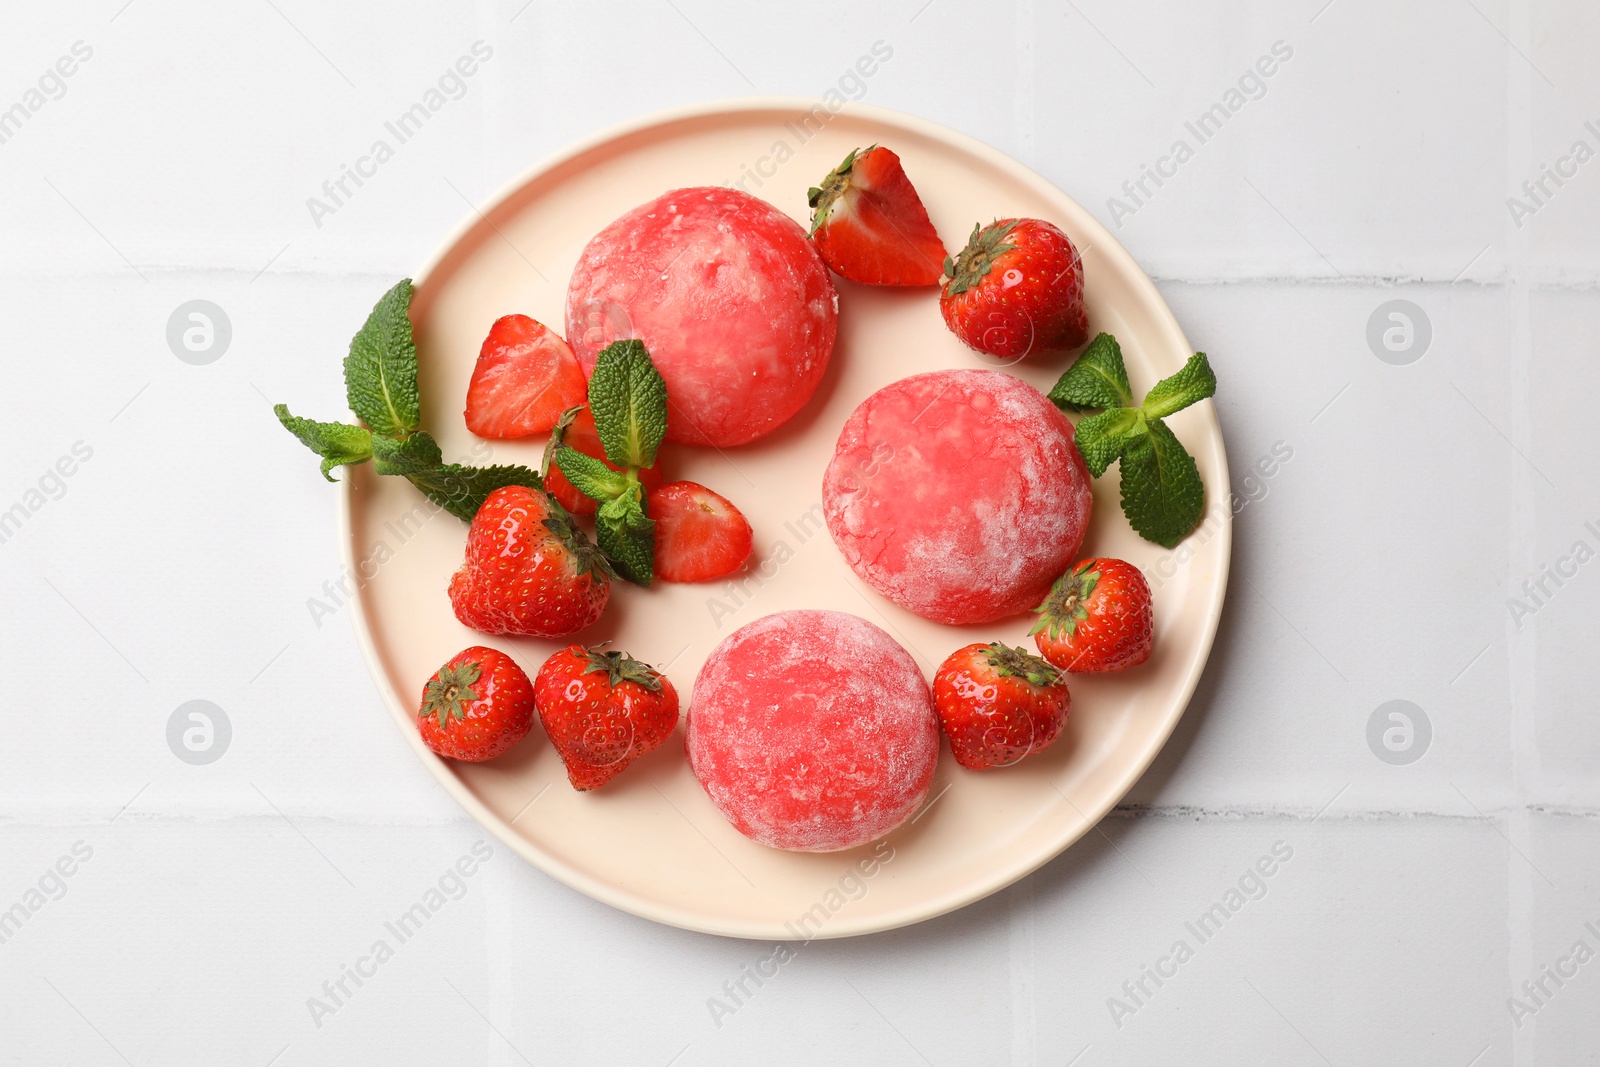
pixel 337 443
pixel 1162 494
pixel 380 373
pixel 1190 385
pixel 456 487
pixel 1102 438
pixel 589 476
pixel 461 489
pixel 629 402
pixel 1097 379
pixel 627 537
pixel 416 454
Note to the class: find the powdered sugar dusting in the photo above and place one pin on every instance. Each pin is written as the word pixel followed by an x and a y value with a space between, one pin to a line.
pixel 813 731
pixel 983 501
pixel 736 308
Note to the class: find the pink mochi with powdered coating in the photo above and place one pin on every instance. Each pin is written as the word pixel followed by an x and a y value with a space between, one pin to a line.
pixel 813 731
pixel 737 310
pixel 958 494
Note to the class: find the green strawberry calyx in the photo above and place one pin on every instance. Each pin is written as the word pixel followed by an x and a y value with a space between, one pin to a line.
pixel 1067 603
pixel 1009 661
pixel 973 264
pixel 619 667
pixel 821 198
pixel 586 558
pixel 448 693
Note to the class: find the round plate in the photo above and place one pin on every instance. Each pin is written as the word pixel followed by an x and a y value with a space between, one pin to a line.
pixel 650 842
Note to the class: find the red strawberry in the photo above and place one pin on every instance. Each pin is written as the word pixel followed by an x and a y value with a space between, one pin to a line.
pixel 1016 290
pixel 997 704
pixel 476 706
pixel 1097 617
pixel 583 436
pixel 602 710
pixel 528 569
pixel 869 225
pixel 525 378
pixel 699 534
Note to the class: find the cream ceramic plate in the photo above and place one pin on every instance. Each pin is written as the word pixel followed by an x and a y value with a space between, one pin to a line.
pixel 650 842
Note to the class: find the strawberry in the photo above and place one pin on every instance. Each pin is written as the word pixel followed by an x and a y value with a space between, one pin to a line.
pixel 602 710
pixel 528 569
pixel 1097 617
pixel 869 225
pixel 997 704
pixel 582 435
pixel 1016 290
pixel 699 534
pixel 476 706
pixel 526 376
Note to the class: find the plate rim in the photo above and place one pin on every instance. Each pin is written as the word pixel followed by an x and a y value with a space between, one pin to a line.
pixel 847 926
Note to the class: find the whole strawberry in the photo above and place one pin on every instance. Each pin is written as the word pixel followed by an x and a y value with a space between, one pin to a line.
pixel 1016 290
pixel 602 710
pixel 998 704
pixel 476 706
pixel 1098 617
pixel 528 569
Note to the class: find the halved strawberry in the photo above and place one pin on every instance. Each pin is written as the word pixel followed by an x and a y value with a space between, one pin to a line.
pixel 869 225
pixel 699 534
pixel 582 435
pixel 526 376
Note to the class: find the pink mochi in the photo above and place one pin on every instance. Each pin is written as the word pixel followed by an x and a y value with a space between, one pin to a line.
pixel 813 731
pixel 958 494
pixel 738 312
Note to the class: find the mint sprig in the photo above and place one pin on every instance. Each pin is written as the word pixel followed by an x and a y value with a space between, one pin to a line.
pixel 629 402
pixel 1162 494
pixel 380 378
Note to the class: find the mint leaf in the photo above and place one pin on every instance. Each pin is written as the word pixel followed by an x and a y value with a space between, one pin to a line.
pixel 627 536
pixel 1162 494
pixel 1103 437
pixel 589 476
pixel 380 373
pixel 415 454
pixel 461 489
pixel 337 443
pixel 1190 385
pixel 629 402
pixel 1097 379
pixel 456 487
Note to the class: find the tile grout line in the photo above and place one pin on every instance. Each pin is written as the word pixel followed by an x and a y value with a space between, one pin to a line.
pixel 1022 938
pixel 1520 888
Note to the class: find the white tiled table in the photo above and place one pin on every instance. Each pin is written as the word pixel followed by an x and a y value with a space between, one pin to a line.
pixel 1376 563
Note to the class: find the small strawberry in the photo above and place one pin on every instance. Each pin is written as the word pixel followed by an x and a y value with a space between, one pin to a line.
pixel 869 225
pixel 1016 290
pixel 998 704
pixel 602 710
pixel 582 435
pixel 1098 617
pixel 528 569
pixel 476 706
pixel 526 376
pixel 699 534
